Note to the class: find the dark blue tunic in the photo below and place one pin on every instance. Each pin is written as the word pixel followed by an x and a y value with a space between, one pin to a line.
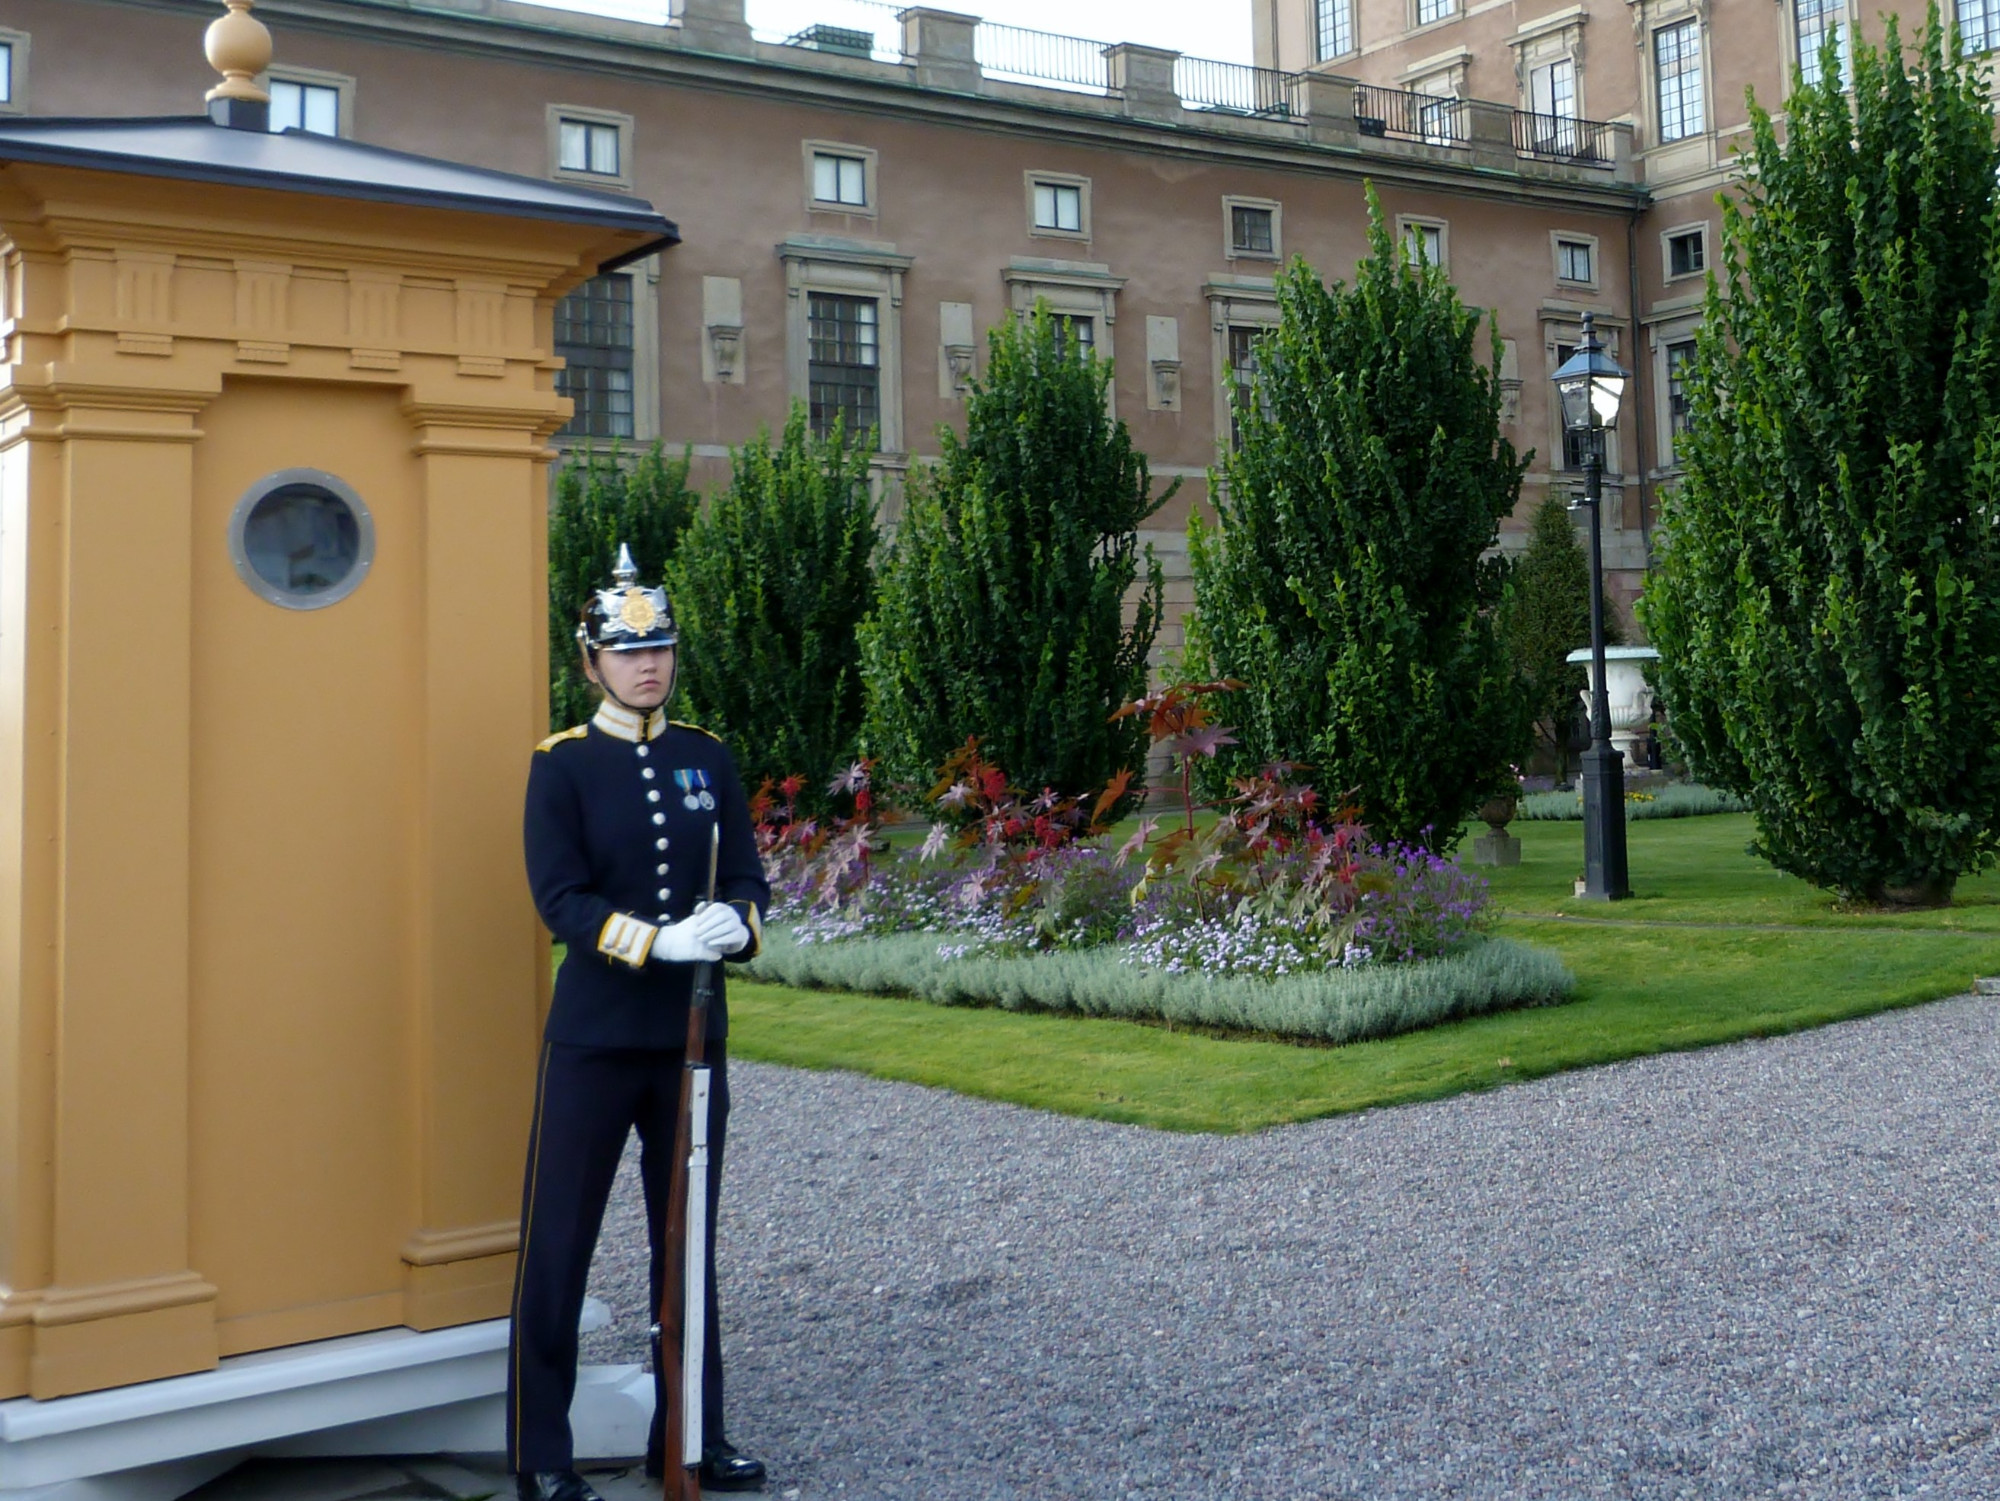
pixel 618 823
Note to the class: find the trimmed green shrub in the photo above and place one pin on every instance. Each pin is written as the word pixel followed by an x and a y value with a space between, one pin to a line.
pixel 1674 800
pixel 1327 1006
pixel 770 585
pixel 1344 581
pixel 1545 617
pixel 1006 607
pixel 600 502
pixel 1827 607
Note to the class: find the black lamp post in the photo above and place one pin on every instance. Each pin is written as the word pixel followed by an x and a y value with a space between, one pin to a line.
pixel 1592 385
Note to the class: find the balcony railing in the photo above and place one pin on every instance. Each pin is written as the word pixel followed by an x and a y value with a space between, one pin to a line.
pixel 1404 116
pixel 1558 138
pixel 1067 62
pixel 859 28
pixel 1236 88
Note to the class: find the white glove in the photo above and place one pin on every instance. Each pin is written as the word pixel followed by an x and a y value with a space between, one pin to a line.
pixel 720 927
pixel 683 943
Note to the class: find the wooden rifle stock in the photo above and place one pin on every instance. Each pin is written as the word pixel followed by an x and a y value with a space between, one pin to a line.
pixel 682 1482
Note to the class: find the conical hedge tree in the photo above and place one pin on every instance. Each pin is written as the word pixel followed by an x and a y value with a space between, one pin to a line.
pixel 1346 580
pixel 1827 607
pixel 770 585
pixel 1007 605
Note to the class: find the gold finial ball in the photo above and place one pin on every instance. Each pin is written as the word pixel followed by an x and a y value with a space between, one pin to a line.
pixel 239 48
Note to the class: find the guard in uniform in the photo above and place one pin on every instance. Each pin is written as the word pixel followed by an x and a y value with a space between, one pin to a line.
pixel 618 833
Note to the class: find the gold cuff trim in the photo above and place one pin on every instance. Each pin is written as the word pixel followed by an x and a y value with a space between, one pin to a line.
pixel 755 923
pixel 626 939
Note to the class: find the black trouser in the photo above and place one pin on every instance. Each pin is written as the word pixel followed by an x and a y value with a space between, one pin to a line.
pixel 586 1101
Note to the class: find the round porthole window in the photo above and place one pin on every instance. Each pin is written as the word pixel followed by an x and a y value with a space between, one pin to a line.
pixel 302 539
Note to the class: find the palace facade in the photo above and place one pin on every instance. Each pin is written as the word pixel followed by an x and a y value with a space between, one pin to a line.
pixel 860 205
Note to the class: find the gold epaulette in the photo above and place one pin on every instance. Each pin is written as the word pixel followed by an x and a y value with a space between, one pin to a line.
pixel 561 735
pixel 682 724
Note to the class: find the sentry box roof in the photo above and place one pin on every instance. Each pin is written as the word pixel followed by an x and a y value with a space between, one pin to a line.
pixel 196 149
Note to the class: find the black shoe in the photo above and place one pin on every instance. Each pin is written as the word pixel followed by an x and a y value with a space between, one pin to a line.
pixel 554 1485
pixel 723 1469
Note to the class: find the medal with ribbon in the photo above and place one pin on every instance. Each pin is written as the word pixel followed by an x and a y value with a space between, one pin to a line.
pixel 694 785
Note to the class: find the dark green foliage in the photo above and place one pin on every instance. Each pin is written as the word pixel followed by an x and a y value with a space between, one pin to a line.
pixel 770 585
pixel 1003 611
pixel 1544 618
pixel 600 502
pixel 1345 582
pixel 1828 606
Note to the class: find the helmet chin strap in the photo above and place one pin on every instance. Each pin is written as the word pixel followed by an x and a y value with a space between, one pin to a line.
pixel 604 687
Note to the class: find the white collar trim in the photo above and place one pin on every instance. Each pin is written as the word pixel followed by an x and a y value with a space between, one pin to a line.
pixel 627 724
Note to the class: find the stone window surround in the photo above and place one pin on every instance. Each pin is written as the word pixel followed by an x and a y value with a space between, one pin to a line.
pixel 1676 328
pixel 866 155
pixel 1239 302
pixel 645 278
pixel 1319 52
pixel 847 268
pixel 587 115
pixel 1668 236
pixel 1652 21
pixel 1413 19
pixel 340 83
pixel 1560 237
pixel 1547 39
pixel 1076 289
pixel 1234 201
pixel 1080 235
pixel 1449 66
pixel 16 102
pixel 1407 222
pixel 1562 325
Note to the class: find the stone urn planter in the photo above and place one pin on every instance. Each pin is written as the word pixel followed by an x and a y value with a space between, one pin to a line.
pixel 1496 846
pixel 1630 695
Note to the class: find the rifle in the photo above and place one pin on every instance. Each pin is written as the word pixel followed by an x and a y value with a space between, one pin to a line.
pixel 684 1288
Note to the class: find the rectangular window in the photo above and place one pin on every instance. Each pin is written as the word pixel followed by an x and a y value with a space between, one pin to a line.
pixel 1677 66
pixel 840 179
pixel 1334 27
pixel 1573 261
pixel 1979 24
pixel 1243 366
pixel 6 72
pixel 305 106
pixel 1083 328
pixel 1426 241
pixel 1435 10
pixel 586 146
pixel 1816 20
pixel 844 370
pixel 1687 254
pixel 1679 358
pixel 1250 230
pixel 593 329
pixel 1059 205
pixel 1552 108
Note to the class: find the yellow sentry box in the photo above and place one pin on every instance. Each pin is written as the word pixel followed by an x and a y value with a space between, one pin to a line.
pixel 274 423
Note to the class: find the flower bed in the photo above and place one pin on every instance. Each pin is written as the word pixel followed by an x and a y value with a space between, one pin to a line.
pixel 1280 916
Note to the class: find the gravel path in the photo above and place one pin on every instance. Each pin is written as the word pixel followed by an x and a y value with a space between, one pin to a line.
pixel 1761 1270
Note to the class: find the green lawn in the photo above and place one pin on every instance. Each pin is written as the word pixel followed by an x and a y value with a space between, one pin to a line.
pixel 1715 947
pixel 1695 870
